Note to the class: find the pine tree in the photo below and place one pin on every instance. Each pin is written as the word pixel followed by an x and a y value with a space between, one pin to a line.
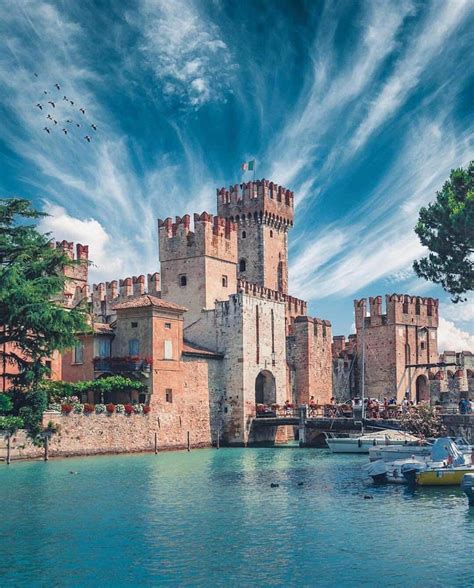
pixel 34 324
pixel 446 228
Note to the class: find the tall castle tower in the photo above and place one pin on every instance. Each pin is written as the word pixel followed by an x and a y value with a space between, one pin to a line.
pixel 263 212
pixel 397 344
pixel 197 267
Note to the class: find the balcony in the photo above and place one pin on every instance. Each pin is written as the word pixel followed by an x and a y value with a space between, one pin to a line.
pixel 122 365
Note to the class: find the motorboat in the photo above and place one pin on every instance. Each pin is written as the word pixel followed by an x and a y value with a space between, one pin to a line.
pixel 362 443
pixel 393 453
pixel 447 467
pixel 383 472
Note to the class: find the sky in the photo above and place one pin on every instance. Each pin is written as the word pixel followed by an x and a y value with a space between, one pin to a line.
pixel 361 108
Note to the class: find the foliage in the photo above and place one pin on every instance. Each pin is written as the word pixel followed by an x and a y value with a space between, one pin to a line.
pixel 119 408
pixel 78 408
pixel 31 285
pixel 446 228
pixel 422 421
pixel 57 391
pixel 6 404
pixel 109 384
pixel 100 408
pixel 9 425
pixel 30 406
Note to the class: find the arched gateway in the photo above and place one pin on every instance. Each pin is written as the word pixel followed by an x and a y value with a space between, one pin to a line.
pixel 265 389
pixel 422 389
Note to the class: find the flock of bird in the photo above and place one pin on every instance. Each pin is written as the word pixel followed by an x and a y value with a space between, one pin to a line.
pixel 68 124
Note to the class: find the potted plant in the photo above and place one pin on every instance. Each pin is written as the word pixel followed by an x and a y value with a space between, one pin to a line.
pixel 128 408
pixel 88 408
pixel 110 408
pixel 66 408
pixel 146 409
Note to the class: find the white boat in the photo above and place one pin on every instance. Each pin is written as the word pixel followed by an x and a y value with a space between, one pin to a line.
pixel 393 453
pixel 362 443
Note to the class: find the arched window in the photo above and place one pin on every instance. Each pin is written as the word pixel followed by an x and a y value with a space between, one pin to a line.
pixel 271 233
pixel 242 265
pixel 244 235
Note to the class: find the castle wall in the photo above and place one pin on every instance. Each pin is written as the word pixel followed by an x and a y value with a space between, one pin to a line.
pixel 405 335
pixel 312 360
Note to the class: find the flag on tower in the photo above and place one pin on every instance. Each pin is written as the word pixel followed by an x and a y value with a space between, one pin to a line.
pixel 249 165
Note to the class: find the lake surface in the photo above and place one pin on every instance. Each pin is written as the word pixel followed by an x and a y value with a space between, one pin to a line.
pixel 210 518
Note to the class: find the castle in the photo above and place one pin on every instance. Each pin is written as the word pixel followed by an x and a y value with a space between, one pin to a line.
pixel 216 327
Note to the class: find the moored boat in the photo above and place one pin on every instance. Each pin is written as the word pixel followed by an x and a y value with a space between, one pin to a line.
pixel 362 443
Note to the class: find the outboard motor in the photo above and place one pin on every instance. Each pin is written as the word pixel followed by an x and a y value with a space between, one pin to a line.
pixel 377 470
pixel 409 471
pixel 467 485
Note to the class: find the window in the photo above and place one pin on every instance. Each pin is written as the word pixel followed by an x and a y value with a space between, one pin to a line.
pixel 244 235
pixel 405 307
pixel 242 265
pixel 168 350
pixel 169 395
pixel 48 365
pixel 224 281
pixel 183 281
pixel 134 347
pixel 142 398
pixel 134 325
pixel 167 325
pixel 417 307
pixel 104 347
pixel 78 353
pixel 422 345
pixel 271 233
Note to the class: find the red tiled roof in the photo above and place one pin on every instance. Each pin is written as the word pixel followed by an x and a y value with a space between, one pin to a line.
pixel 192 349
pixel 148 300
pixel 103 329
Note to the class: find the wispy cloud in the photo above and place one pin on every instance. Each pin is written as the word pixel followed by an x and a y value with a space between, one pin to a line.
pixel 186 52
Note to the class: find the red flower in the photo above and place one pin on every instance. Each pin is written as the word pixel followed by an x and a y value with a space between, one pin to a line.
pixel 146 409
pixel 110 408
pixel 66 408
pixel 128 408
pixel 88 408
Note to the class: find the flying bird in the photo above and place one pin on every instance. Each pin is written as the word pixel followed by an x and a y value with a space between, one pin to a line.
pixel 47 130
pixel 71 102
pixel 66 98
pixel 78 125
pixel 44 92
pixel 83 110
pixel 69 121
pixel 58 86
pixel 94 127
pixel 55 121
pixel 52 103
pixel 65 131
pixel 36 75
pixel 39 106
pixel 50 117
pixel 87 138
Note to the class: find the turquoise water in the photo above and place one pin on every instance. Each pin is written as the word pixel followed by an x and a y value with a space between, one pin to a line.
pixel 210 518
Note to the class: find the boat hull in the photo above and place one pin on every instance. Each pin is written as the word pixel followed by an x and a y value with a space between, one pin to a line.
pixel 343 445
pixel 442 477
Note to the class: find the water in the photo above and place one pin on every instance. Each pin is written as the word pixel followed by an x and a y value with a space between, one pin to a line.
pixel 210 518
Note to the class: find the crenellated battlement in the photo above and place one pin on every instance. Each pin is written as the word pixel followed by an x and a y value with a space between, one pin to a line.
pixel 213 236
pixel 260 201
pixel 105 294
pixel 320 327
pixel 295 306
pixel 399 309
pixel 81 253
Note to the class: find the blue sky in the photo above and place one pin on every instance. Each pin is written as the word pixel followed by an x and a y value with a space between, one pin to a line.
pixel 362 108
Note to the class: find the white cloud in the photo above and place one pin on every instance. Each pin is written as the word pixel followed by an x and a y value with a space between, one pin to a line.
pixel 185 51
pixel 451 338
pixel 460 312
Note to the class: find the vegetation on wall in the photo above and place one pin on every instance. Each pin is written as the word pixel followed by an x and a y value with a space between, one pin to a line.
pixel 446 228
pixel 423 421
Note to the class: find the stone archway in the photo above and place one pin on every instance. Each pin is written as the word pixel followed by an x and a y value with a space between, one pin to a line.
pixel 422 389
pixel 265 388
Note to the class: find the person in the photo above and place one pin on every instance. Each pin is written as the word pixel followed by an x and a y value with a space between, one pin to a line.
pixel 312 406
pixel 471 402
pixel 463 406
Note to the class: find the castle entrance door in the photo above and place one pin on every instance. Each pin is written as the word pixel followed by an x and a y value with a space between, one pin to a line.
pixel 422 389
pixel 265 389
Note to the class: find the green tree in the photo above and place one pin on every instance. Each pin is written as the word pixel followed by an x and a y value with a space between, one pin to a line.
pixel 446 228
pixel 9 425
pixel 34 322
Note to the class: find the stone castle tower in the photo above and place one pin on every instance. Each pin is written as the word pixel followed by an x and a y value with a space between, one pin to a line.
pixel 395 341
pixel 198 267
pixel 263 212
pixel 76 287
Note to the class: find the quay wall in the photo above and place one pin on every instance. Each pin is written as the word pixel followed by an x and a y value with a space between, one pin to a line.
pixel 117 433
